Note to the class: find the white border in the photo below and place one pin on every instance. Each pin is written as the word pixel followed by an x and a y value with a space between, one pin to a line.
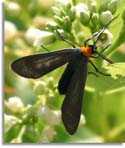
pixel 1 71
pixel 1 99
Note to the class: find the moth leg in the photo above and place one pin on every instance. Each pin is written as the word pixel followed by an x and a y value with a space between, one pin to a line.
pixel 93 73
pixel 96 69
pixel 67 41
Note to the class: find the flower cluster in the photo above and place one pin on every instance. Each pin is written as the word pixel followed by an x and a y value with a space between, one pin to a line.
pixel 69 19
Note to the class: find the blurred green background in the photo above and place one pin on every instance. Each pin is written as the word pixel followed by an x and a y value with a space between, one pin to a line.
pixel 103 105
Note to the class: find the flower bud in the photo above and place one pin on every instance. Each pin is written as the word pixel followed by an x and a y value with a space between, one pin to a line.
pixel 92 5
pixel 15 104
pixel 105 39
pixel 84 18
pixel 44 112
pixel 105 17
pixel 112 6
pixel 103 5
pixel 42 5
pixel 58 20
pixel 82 119
pixel 67 24
pixel 13 9
pixel 51 26
pixel 65 4
pixel 72 13
pixel 50 82
pixel 10 31
pixel 50 96
pixel 55 118
pixel 48 134
pixel 80 8
pixel 95 19
pixel 40 87
pixel 31 34
pixel 56 11
pixel 62 33
pixel 43 38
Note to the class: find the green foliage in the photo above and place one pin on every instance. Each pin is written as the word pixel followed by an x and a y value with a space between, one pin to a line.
pixel 116 69
pixel 32 107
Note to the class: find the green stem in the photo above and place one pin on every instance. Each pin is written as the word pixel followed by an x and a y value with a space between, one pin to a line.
pixel 74 38
pixel 118 42
pixel 22 131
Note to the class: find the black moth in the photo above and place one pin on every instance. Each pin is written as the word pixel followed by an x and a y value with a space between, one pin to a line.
pixel 72 81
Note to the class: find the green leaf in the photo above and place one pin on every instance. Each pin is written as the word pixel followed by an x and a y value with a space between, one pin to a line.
pixel 116 70
pixel 107 84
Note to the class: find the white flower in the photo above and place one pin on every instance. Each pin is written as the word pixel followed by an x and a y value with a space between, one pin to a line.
pixel 81 8
pixel 51 24
pixel 105 17
pixel 106 39
pixel 44 112
pixel 32 34
pixel 51 117
pixel 64 2
pixel 38 37
pixel 43 38
pixel 40 87
pixel 13 8
pixel 82 119
pixel 10 31
pixel 15 104
pixel 55 118
pixel 9 121
pixel 48 134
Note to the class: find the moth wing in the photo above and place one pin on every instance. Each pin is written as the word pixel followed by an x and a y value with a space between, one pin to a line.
pixel 72 105
pixel 35 66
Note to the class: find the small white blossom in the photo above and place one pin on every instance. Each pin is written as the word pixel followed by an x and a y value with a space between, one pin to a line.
pixel 50 96
pixel 81 8
pixel 15 104
pixel 43 38
pixel 105 17
pixel 13 8
pixel 9 121
pixel 92 4
pixel 107 35
pixel 51 24
pixel 64 2
pixel 48 134
pixel 44 112
pixel 38 37
pixel 10 31
pixel 32 34
pixel 40 87
pixel 55 118
pixel 82 119
pixel 51 117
